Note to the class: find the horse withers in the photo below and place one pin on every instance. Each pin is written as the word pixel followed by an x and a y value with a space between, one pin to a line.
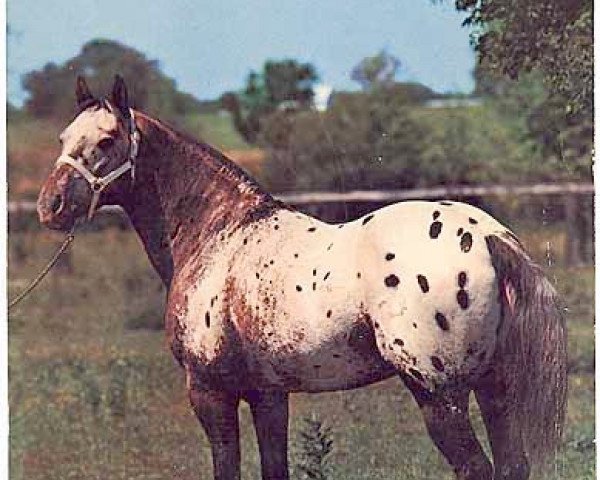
pixel 264 301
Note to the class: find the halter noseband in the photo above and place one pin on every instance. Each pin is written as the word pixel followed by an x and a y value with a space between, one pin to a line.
pixel 98 184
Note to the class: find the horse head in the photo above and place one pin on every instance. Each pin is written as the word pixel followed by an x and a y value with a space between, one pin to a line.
pixel 96 164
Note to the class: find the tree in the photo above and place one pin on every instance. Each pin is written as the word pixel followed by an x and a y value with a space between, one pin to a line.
pixel 284 84
pixel 51 88
pixel 289 81
pixel 361 141
pixel 377 71
pixel 555 37
pixel 537 119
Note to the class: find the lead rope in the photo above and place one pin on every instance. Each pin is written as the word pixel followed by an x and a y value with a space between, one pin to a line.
pixel 66 242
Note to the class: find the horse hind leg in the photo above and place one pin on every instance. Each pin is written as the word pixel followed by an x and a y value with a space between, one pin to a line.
pixel 446 415
pixel 503 429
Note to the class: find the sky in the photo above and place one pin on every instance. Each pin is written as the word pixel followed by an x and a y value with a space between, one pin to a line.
pixel 210 46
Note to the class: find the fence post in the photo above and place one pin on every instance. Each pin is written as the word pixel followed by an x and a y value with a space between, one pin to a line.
pixel 572 249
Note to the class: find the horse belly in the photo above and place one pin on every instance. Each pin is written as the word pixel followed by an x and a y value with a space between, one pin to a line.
pixel 348 361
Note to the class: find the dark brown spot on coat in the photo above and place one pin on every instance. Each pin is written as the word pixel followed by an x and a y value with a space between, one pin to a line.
pixel 435 229
pixel 314 285
pixel 391 281
pixel 207 319
pixel 357 274
pixel 436 214
pixel 437 363
pixel 466 242
pixel 367 219
pixel 442 321
pixel 416 374
pixel 472 221
pixel 329 313
pixel 298 288
pixel 312 229
pixel 459 232
pixel 389 256
pixel 399 342
pixel 462 279
pixel 276 227
pixel 463 299
pixel 326 276
pixel 423 283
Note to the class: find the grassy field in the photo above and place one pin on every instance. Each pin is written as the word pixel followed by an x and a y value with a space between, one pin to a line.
pixel 95 394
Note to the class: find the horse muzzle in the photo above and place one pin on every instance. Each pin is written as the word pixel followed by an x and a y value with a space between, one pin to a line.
pixel 62 200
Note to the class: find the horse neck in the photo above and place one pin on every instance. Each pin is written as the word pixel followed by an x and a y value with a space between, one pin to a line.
pixel 185 195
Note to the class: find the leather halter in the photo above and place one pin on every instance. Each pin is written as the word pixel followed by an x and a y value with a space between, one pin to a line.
pixel 98 184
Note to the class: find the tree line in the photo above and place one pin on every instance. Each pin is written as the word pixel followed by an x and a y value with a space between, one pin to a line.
pixel 533 120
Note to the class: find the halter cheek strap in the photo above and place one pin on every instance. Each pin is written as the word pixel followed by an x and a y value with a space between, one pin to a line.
pixel 98 184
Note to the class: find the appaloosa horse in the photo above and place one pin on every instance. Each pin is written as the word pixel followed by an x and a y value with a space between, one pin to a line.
pixel 264 300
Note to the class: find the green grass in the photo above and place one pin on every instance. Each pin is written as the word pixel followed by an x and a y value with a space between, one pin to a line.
pixel 95 393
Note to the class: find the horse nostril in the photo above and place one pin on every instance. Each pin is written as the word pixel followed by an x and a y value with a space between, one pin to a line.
pixel 56 204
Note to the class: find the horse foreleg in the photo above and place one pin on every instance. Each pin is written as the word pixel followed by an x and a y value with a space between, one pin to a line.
pixel 218 414
pixel 503 429
pixel 447 419
pixel 270 414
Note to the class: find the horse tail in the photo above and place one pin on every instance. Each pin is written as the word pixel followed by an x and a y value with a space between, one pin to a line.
pixel 531 350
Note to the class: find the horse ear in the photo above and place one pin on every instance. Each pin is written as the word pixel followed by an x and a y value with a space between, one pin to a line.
pixel 82 91
pixel 119 96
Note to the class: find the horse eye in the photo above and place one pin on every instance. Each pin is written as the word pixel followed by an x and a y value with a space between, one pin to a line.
pixel 105 143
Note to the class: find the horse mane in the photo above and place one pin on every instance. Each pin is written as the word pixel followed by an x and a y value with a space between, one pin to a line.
pixel 90 103
pixel 223 166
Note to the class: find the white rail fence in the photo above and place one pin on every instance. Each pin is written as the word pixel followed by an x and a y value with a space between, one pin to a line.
pixel 383 196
